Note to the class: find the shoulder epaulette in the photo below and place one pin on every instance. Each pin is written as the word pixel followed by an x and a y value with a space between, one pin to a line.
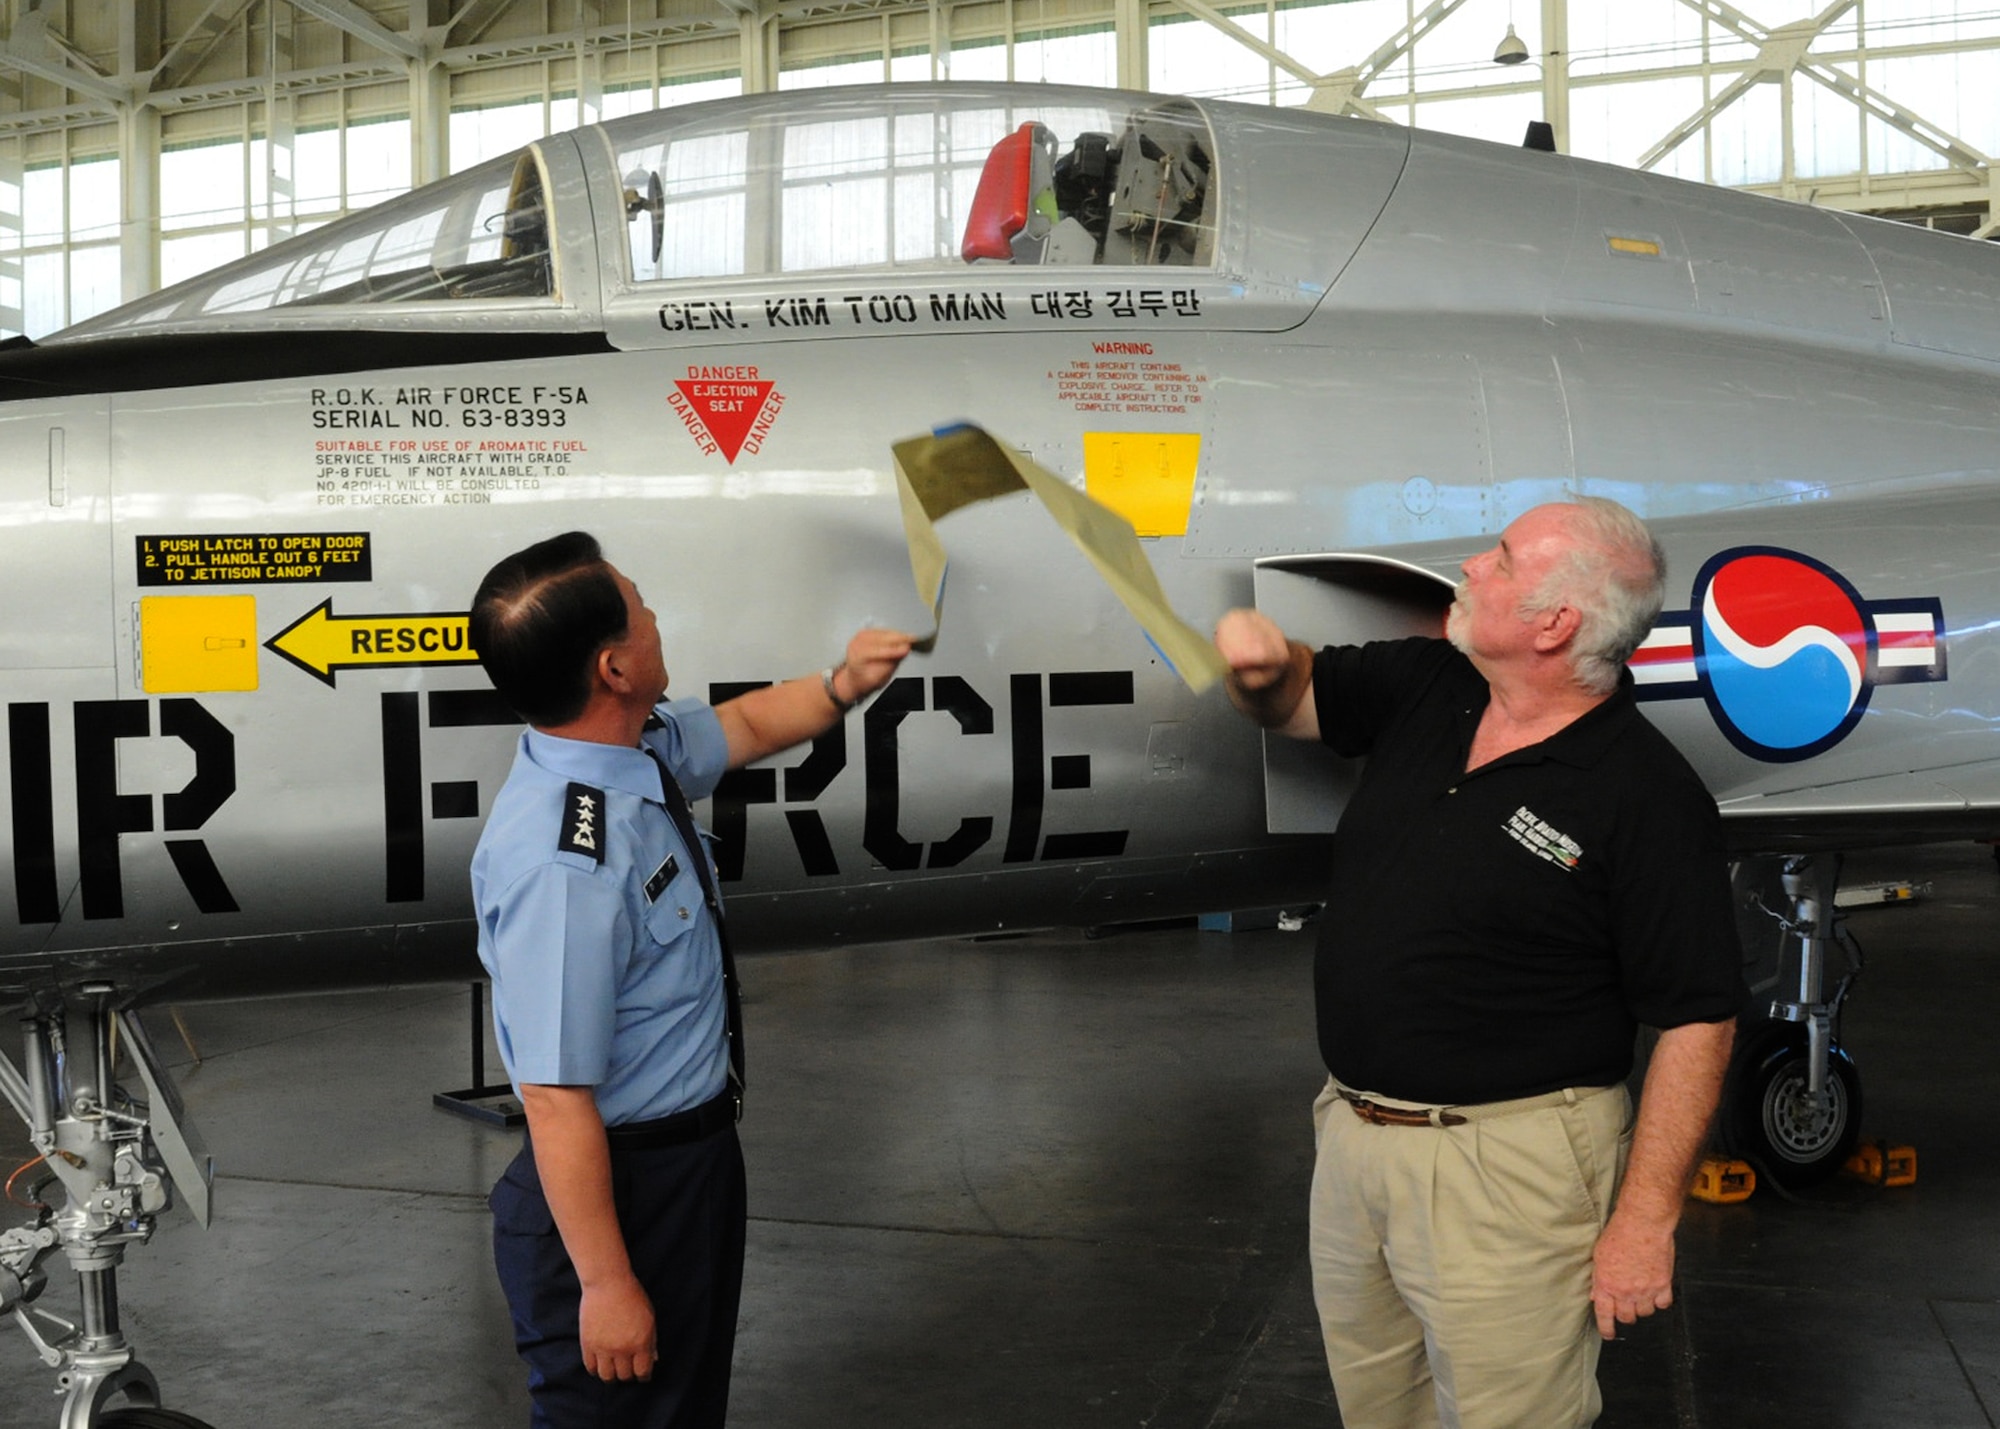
pixel 583 822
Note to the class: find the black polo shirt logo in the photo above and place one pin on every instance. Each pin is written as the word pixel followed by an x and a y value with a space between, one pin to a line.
pixel 582 806
pixel 1543 840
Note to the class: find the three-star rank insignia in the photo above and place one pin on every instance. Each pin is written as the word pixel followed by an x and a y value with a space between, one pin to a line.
pixel 583 822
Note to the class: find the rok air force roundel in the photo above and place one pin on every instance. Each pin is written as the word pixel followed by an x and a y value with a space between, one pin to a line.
pixel 1786 651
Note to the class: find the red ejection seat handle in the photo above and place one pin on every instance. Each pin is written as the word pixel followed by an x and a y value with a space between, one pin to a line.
pixel 1000 204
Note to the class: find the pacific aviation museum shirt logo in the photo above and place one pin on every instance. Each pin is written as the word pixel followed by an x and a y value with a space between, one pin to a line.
pixel 1785 651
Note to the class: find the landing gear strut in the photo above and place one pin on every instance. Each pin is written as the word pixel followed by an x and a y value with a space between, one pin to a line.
pixel 1792 1106
pixel 111 1165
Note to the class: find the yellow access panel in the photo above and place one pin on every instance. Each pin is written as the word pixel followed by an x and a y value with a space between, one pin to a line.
pixel 189 644
pixel 1146 477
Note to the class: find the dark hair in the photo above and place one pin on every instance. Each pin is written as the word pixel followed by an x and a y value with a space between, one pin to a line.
pixel 538 621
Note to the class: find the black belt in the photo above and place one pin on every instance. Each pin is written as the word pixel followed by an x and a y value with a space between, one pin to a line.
pixel 697 1124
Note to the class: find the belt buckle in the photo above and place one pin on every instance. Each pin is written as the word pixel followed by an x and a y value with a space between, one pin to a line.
pixel 1374 1114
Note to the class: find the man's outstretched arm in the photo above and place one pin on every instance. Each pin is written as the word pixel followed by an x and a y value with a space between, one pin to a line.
pixel 779 716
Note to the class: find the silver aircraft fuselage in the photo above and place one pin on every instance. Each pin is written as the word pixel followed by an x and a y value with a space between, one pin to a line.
pixel 1318 361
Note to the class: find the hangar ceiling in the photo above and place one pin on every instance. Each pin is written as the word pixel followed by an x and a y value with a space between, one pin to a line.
pixel 144 140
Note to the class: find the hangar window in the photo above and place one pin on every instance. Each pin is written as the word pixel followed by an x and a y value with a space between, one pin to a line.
pixel 910 183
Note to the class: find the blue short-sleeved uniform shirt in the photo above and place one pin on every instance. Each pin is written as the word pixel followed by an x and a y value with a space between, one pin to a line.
pixel 605 960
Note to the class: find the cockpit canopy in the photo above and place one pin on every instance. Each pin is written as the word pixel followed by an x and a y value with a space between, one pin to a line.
pixel 483 235
pixel 903 179
pixel 918 185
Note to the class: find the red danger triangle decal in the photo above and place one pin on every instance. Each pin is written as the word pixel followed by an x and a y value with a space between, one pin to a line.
pixel 723 411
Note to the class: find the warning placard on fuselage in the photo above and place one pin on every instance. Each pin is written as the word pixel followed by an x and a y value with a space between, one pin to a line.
pixel 296 558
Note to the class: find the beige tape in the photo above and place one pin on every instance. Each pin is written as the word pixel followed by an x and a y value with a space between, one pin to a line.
pixel 942 473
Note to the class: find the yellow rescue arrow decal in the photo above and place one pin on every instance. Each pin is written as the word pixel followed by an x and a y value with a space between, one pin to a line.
pixel 323 644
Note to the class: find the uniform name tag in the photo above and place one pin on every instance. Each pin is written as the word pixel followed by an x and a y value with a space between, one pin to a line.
pixel 662 876
pixel 583 822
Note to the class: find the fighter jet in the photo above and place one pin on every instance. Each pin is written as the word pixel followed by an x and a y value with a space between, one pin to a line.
pixel 1315 362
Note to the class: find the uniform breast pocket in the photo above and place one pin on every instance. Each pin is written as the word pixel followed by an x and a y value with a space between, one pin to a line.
pixel 674 896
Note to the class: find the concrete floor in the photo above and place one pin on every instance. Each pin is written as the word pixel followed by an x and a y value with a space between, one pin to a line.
pixel 1052 1182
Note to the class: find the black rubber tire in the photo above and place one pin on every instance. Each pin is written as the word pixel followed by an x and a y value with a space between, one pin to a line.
pixel 139 1416
pixel 1771 1121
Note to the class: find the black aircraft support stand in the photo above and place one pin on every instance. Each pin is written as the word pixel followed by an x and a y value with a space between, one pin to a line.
pixel 492 1105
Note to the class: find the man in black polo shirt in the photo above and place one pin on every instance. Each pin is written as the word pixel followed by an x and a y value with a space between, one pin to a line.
pixel 1526 873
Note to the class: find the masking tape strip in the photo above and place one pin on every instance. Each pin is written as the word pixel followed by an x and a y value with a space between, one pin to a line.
pixel 957 467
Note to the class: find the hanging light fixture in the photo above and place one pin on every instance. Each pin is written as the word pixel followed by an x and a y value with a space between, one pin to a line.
pixel 1513 49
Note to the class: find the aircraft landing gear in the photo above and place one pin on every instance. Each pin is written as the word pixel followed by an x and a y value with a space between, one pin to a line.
pixel 1792 1103
pixel 109 1164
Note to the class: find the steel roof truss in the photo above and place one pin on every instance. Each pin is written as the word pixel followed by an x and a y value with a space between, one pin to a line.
pixel 197 43
pixel 344 15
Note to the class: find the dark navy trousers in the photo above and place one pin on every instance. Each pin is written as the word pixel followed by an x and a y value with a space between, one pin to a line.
pixel 682 1209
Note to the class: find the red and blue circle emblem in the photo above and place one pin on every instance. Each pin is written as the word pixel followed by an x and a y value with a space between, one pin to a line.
pixel 1784 645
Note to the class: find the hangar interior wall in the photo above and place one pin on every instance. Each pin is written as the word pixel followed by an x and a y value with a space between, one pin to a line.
pixel 144 141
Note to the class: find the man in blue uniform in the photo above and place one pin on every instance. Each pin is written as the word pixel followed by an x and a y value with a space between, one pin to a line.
pixel 619 1229
pixel 1526 873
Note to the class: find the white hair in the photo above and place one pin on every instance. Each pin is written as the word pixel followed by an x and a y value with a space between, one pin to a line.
pixel 1614 575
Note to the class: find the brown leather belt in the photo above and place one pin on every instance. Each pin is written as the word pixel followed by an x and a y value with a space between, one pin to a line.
pixel 1376 1114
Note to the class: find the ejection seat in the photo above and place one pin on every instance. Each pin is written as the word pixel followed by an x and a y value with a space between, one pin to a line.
pixel 1142 201
pixel 1014 217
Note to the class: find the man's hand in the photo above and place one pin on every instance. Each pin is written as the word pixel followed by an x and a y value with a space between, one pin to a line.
pixel 871 662
pixel 1632 1272
pixel 1270 677
pixel 615 1325
pixel 1256 649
